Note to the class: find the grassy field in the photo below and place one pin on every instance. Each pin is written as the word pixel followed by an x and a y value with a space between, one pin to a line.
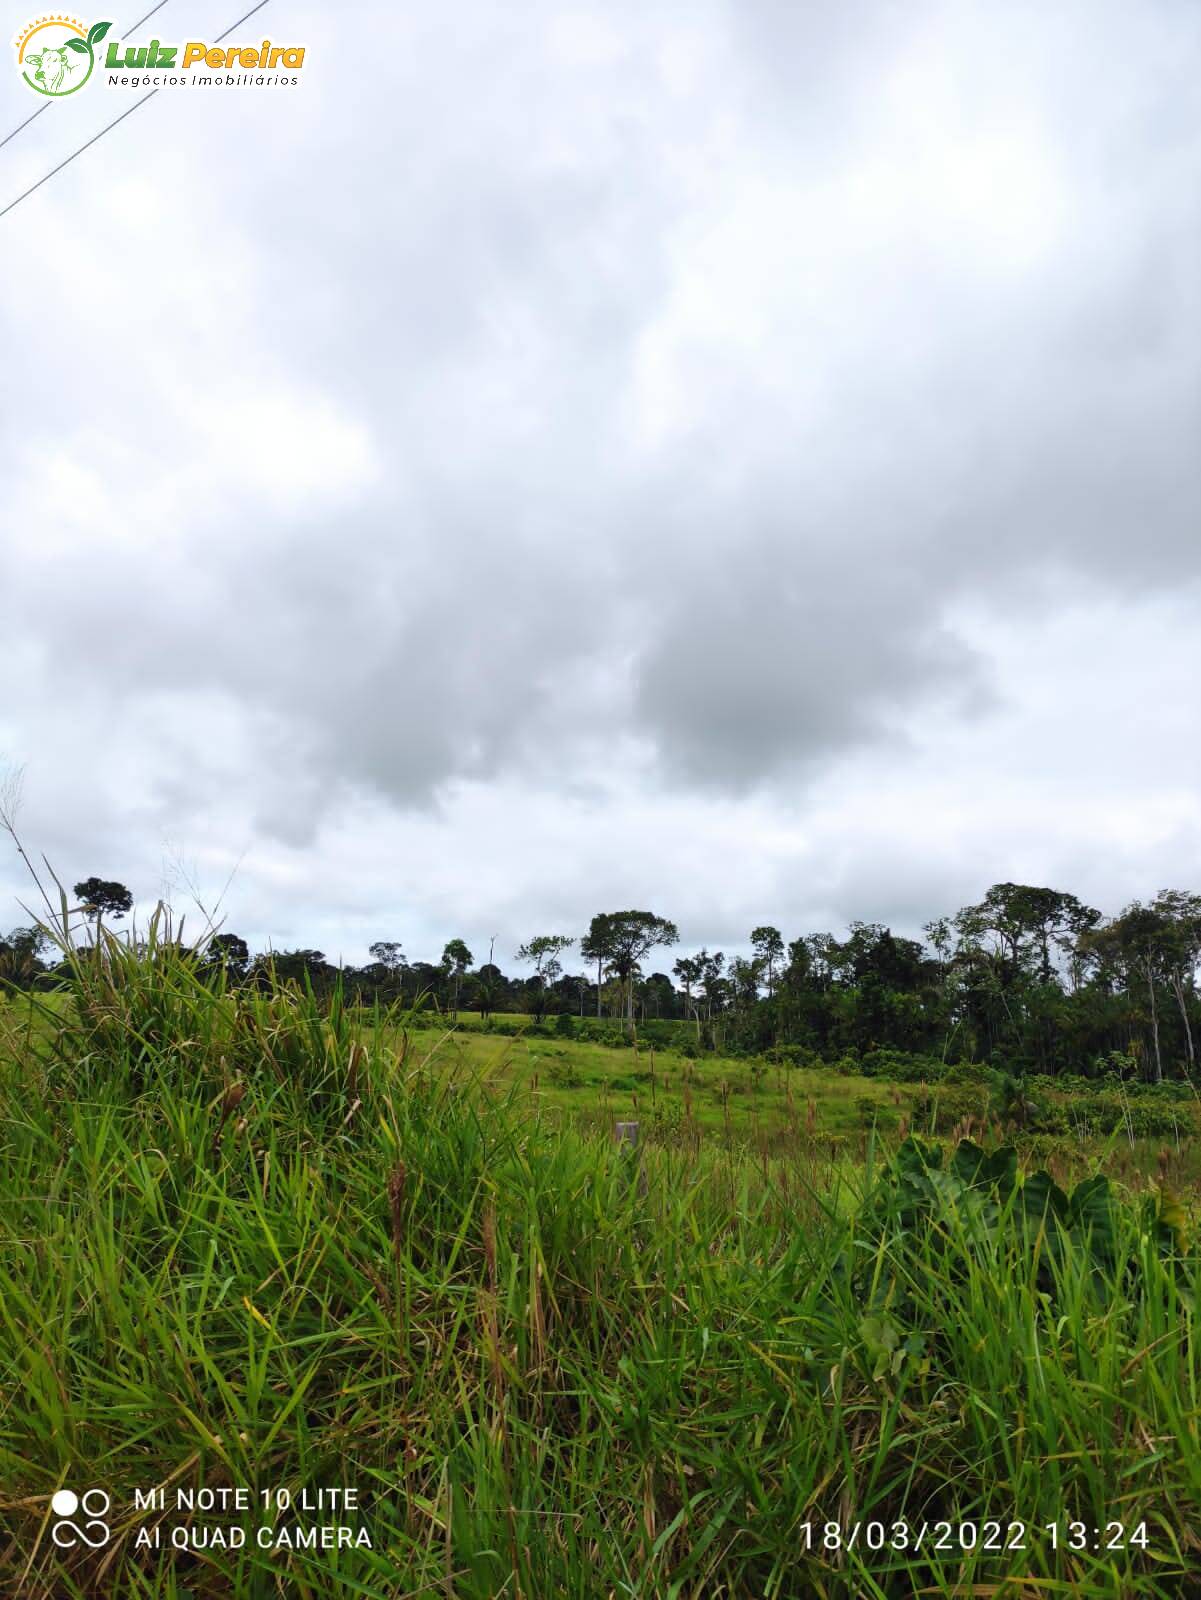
pixel 677 1095
pixel 260 1244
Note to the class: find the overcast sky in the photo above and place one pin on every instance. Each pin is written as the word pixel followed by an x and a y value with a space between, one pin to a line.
pixel 741 460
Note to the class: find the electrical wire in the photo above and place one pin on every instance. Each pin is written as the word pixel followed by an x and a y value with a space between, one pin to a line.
pixel 33 188
pixel 45 106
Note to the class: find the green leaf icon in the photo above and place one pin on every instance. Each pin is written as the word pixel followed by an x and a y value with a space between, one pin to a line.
pixel 77 44
pixel 97 31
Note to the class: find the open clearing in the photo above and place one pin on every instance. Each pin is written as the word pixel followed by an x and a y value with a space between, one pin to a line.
pixel 256 1242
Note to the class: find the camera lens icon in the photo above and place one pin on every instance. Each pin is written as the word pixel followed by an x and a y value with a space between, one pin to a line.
pixel 90 1529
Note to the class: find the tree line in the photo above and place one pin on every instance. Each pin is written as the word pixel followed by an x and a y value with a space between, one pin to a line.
pixel 1029 978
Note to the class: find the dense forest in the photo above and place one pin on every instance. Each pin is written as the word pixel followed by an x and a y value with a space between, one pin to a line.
pixel 1030 979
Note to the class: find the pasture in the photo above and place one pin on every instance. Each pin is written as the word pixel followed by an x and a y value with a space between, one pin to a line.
pixel 261 1243
pixel 758 1104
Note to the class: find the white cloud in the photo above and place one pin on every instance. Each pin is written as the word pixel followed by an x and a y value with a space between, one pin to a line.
pixel 739 461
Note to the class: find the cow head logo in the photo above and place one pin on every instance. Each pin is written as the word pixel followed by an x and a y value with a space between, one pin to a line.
pixel 56 55
pixel 79 1519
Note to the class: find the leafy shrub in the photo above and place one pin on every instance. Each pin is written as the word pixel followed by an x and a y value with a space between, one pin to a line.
pixel 872 1113
pixel 564 1075
pixel 1105 1112
pixel 659 1033
pixel 902 1066
pixel 941 1109
pixel 1050 1118
pixel 966 1072
pixel 1117 1064
pixel 977 1200
pixel 846 1065
pixel 792 1055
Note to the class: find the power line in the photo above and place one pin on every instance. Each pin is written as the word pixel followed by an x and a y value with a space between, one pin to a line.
pixel 79 152
pixel 33 117
pixel 97 136
pixel 46 104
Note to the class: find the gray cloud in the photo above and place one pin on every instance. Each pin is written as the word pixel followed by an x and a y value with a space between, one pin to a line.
pixel 639 413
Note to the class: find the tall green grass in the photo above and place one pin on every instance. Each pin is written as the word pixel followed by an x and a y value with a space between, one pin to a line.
pixel 253 1239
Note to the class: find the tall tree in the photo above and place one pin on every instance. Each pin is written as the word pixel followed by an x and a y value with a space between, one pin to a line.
pixel 632 935
pixel 228 952
pixel 1136 945
pixel 295 966
pixel 1030 921
pixel 19 952
pixel 745 977
pixel 690 970
pixel 768 945
pixel 100 897
pixel 597 945
pixel 389 965
pixel 712 981
pixel 456 958
pixel 1180 936
pixel 489 984
pixel 543 953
